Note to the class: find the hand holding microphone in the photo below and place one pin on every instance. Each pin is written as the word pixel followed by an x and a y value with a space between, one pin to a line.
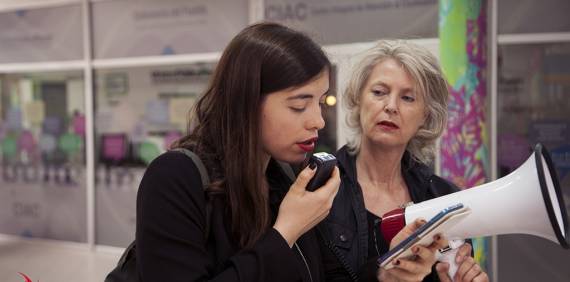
pixel 309 199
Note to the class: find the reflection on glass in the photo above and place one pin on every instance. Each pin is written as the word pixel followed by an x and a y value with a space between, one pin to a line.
pixel 533 106
pixel 139 113
pixel 534 84
pixel 549 16
pixel 42 139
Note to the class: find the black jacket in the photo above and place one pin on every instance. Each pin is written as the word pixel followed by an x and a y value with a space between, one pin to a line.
pixel 171 220
pixel 344 233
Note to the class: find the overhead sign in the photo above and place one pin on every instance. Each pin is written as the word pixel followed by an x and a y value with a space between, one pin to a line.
pixel 46 34
pixel 154 28
pixel 339 21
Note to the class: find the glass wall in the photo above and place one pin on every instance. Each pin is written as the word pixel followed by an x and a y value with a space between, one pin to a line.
pixel 139 112
pixel 42 133
pixel 533 106
pixel 140 106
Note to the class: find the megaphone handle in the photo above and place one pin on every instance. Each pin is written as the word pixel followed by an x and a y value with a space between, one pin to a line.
pixel 449 257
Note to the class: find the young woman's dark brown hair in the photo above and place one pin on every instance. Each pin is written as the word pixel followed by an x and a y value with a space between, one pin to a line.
pixel 262 59
pixel 262 105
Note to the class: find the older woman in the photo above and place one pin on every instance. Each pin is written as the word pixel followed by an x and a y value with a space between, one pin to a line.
pixel 397 98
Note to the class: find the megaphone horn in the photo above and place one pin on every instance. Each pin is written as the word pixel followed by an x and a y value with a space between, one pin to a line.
pixel 527 201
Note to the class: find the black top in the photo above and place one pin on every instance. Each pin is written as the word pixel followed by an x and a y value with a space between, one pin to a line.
pixel 171 245
pixel 346 244
pixel 376 243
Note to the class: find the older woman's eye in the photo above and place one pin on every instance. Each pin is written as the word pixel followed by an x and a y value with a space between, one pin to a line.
pixel 377 92
pixel 408 98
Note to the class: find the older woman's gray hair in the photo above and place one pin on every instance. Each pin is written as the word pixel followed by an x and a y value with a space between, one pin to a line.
pixel 424 69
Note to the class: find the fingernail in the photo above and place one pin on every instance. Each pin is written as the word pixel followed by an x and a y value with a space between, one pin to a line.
pixel 312 166
pixel 415 250
pixel 397 262
pixel 459 259
pixel 423 221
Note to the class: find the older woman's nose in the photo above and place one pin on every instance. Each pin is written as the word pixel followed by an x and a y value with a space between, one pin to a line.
pixel 391 106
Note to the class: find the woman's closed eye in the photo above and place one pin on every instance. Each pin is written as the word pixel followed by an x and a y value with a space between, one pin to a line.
pixel 298 105
pixel 297 109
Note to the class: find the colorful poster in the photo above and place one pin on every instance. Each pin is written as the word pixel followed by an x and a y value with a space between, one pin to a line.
pixel 148 151
pixel 78 123
pixel 52 126
pixel 9 146
pixel 26 142
pixel 157 112
pixel 114 146
pixel 464 159
pixel 70 143
pixel 14 119
pixel 35 112
pixel 47 143
pixel 170 138
pixel 179 108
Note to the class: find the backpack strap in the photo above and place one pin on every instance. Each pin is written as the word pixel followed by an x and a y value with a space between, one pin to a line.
pixel 205 183
pixel 199 164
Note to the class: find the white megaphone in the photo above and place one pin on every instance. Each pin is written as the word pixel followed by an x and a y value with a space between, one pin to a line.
pixel 527 201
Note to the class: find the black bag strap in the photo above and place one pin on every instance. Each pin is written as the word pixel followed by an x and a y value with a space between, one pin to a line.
pixel 199 164
pixel 126 271
pixel 205 183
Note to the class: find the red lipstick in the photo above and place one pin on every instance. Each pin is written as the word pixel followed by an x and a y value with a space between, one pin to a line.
pixel 308 145
pixel 388 125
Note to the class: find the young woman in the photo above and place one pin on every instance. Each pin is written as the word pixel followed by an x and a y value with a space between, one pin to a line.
pixel 262 106
pixel 397 101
